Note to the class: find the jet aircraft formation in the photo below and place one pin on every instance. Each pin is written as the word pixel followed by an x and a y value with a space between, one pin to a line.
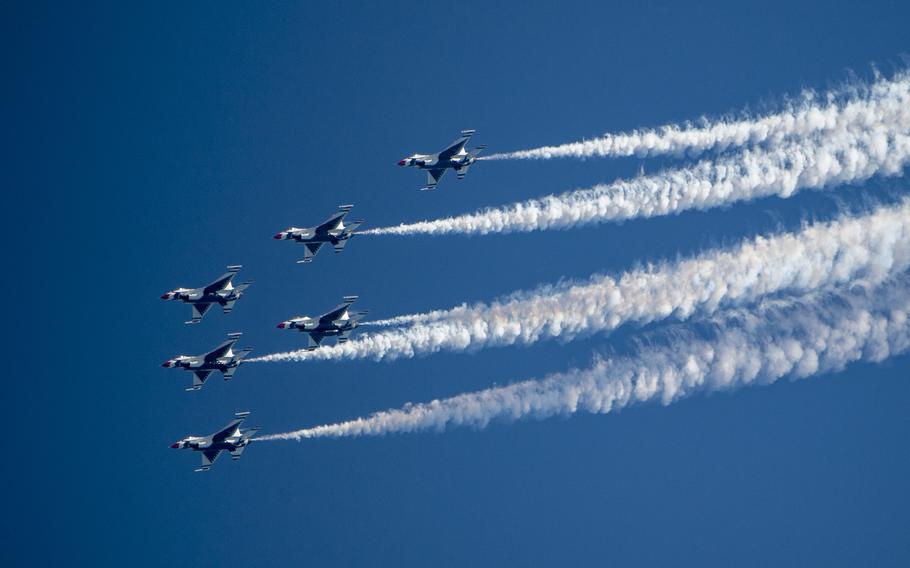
pixel 339 322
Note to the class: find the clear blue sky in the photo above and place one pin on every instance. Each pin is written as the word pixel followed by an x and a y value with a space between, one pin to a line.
pixel 150 146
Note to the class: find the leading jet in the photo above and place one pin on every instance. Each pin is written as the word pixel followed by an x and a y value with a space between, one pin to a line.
pixel 454 157
pixel 339 322
pixel 221 292
pixel 230 438
pixel 332 231
pixel 222 359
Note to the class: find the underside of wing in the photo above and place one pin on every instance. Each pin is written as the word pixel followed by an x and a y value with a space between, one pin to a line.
pixel 208 458
pixel 199 378
pixel 199 311
pixel 309 251
pixel 433 177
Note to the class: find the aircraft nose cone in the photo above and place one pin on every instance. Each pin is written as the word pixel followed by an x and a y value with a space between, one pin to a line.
pixel 281 325
pixel 165 296
pixel 278 236
pixel 176 445
pixel 166 364
pixel 401 162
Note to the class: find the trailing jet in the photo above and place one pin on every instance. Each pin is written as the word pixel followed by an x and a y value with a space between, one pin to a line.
pixel 230 438
pixel 454 157
pixel 332 230
pixel 222 359
pixel 221 292
pixel 339 322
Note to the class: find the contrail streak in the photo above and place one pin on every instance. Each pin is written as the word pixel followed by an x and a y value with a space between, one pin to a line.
pixel 847 157
pixel 412 319
pixel 811 115
pixel 873 246
pixel 798 339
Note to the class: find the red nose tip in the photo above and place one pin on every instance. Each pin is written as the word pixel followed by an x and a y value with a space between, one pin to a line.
pixel 278 236
pixel 281 325
pixel 176 445
pixel 401 162
pixel 166 364
pixel 165 296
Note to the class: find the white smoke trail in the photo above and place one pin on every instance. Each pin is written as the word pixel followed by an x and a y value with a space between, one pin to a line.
pixel 811 115
pixel 880 148
pixel 780 338
pixel 412 319
pixel 873 246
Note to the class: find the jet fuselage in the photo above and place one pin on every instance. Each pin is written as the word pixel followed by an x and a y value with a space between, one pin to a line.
pixel 206 443
pixel 426 162
pixel 200 364
pixel 198 296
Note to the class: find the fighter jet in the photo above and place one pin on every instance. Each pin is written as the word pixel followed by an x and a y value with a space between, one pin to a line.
pixel 454 157
pixel 339 322
pixel 230 438
pixel 332 230
pixel 221 292
pixel 222 359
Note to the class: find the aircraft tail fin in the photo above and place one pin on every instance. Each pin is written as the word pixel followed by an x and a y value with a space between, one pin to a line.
pixel 349 230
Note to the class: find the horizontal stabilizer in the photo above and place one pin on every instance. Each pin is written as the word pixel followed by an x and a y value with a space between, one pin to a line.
pixel 242 414
pixel 345 207
pixel 234 267
pixel 350 298
pixel 468 133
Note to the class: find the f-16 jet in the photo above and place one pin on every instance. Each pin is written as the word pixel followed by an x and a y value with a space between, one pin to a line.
pixel 221 292
pixel 230 438
pixel 332 231
pixel 454 157
pixel 339 322
pixel 222 359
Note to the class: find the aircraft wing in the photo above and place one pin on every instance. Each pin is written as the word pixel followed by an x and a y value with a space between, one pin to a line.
pixel 229 429
pixel 309 251
pixel 199 378
pixel 208 458
pixel 433 177
pixel 338 311
pixel 333 221
pixel 222 280
pixel 222 349
pixel 456 146
pixel 314 338
pixel 199 311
